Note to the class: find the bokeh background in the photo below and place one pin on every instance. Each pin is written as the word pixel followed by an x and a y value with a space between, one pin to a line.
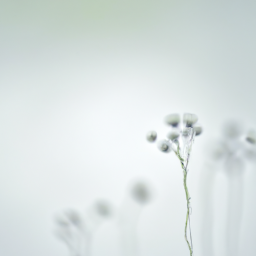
pixel 82 82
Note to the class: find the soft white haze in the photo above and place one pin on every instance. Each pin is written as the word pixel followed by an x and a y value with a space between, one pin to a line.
pixel 82 82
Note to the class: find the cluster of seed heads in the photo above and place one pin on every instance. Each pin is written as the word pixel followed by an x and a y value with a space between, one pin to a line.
pixel 178 128
pixel 75 230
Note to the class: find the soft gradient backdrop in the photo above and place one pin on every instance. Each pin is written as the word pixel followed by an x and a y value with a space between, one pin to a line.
pixel 81 82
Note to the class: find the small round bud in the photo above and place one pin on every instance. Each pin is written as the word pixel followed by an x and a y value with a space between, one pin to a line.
pixel 173 134
pixel 189 119
pixel 151 136
pixel 198 129
pixel 172 119
pixel 251 137
pixel 103 208
pixel 141 192
pixel 164 146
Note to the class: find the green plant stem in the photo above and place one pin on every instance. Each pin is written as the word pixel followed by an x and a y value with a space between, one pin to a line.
pixel 185 173
pixel 188 213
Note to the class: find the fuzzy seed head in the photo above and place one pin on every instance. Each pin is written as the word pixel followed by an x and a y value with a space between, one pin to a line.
pixel 151 136
pixel 164 146
pixel 103 209
pixel 173 134
pixel 141 192
pixel 251 137
pixel 189 119
pixel 198 129
pixel 172 119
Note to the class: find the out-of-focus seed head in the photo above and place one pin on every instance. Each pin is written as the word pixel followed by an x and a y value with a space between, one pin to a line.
pixel 164 146
pixel 151 136
pixel 61 221
pixel 141 192
pixel 232 130
pixel 103 209
pixel 173 134
pixel 172 119
pixel 198 129
pixel 251 137
pixel 73 217
pixel 189 119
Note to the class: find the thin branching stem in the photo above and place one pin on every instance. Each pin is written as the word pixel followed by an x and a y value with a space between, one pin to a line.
pixel 185 173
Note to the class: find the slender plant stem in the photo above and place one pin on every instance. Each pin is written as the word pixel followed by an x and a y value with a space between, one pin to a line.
pixel 185 173
pixel 190 246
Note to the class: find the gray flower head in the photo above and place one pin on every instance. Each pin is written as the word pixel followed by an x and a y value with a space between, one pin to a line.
pixel 141 192
pixel 251 137
pixel 189 119
pixel 198 129
pixel 173 120
pixel 151 136
pixel 164 146
pixel 173 134
pixel 103 209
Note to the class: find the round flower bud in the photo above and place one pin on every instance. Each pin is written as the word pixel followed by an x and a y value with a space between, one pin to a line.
pixel 251 137
pixel 189 119
pixel 172 119
pixel 103 208
pixel 151 136
pixel 141 192
pixel 164 146
pixel 173 134
pixel 197 129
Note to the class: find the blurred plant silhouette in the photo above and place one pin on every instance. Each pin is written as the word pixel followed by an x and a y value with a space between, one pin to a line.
pixel 139 195
pixel 180 140
pixel 77 231
pixel 230 153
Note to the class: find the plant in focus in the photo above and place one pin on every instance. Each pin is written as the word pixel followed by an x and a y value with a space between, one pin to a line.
pixel 180 139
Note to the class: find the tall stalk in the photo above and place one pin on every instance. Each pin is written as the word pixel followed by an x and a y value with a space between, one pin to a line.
pixel 187 223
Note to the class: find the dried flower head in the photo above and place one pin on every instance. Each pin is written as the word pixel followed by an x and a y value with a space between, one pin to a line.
pixel 151 136
pixel 198 129
pixel 173 134
pixel 173 120
pixel 164 146
pixel 189 119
